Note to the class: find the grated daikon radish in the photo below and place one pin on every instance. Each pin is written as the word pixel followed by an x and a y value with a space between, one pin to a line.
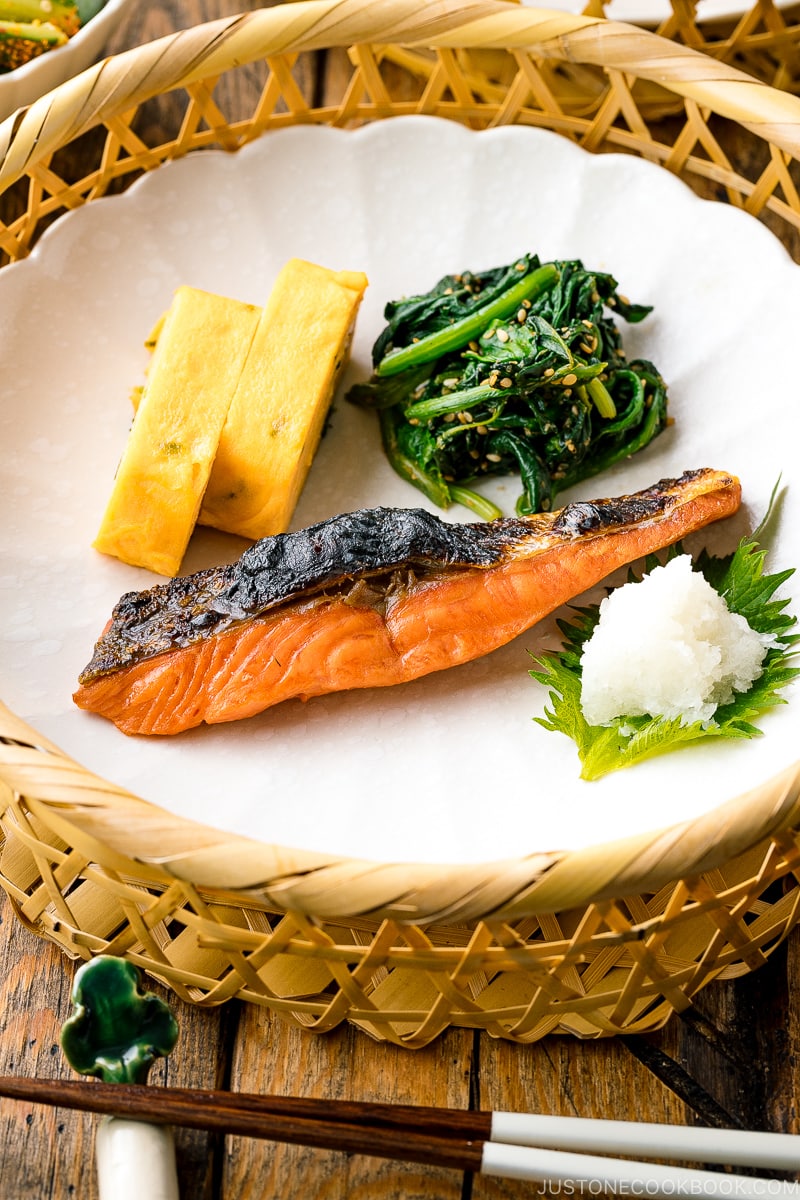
pixel 668 646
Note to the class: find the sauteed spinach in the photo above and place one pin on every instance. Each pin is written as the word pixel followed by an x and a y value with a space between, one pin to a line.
pixel 516 370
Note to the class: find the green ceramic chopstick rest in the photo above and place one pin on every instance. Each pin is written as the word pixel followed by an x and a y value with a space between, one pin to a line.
pixel 116 1032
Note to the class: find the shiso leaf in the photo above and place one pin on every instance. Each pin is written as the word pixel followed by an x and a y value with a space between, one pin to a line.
pixel 740 578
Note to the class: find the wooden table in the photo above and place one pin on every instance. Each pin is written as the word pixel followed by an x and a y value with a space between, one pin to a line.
pixel 733 1060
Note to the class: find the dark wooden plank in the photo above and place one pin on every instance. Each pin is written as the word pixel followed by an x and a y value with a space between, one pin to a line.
pixel 733 1056
pixel 346 1064
pixel 730 1061
pixel 47 1152
pixel 566 1077
pixel 146 22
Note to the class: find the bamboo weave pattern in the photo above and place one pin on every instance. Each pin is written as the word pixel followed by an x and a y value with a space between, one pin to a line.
pixel 590 944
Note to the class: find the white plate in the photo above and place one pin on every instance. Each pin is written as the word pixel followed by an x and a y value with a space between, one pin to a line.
pixel 29 82
pixel 451 767
pixel 652 12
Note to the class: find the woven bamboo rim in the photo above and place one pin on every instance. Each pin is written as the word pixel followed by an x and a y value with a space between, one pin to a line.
pixel 612 939
pixel 760 39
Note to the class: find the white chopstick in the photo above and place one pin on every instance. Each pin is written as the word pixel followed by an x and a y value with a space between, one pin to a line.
pixel 751 1148
pixel 594 1175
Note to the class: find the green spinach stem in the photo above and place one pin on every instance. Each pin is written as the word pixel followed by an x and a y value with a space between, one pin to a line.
pixel 452 337
pixel 485 509
pixel 450 402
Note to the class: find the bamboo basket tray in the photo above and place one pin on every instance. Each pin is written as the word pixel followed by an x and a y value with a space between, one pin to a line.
pixel 760 38
pixel 589 943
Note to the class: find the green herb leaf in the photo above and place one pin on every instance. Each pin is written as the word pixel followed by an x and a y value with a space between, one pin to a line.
pixel 747 590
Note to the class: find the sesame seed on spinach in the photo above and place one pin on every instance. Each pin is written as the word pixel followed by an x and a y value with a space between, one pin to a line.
pixel 516 370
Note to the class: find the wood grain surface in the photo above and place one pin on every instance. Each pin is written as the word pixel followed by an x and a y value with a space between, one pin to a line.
pixel 732 1060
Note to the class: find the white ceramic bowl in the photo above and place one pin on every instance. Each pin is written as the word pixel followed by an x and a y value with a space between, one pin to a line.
pixel 27 83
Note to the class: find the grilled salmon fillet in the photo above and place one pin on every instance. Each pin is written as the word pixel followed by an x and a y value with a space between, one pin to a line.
pixel 368 599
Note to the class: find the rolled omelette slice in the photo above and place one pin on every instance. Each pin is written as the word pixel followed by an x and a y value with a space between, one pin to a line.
pixel 198 358
pixel 278 411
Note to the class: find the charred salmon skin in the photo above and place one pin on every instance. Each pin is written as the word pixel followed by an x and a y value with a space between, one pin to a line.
pixel 368 599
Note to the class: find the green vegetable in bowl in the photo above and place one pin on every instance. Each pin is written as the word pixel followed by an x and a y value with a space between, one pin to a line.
pixel 88 9
pixel 61 13
pixel 517 370
pixel 21 42
pixel 30 27
pixel 632 736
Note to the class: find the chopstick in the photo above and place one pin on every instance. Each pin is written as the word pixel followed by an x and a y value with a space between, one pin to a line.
pixel 513 1145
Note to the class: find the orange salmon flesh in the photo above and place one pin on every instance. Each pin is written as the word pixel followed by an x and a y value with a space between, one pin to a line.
pixel 377 630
